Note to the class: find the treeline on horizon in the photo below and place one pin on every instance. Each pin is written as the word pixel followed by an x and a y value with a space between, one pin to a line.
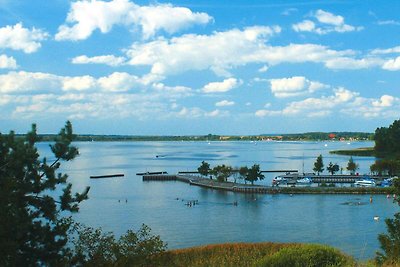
pixel 310 136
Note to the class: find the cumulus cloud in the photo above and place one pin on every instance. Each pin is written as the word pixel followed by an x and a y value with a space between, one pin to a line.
pixel 384 101
pixel 106 59
pixel 85 17
pixel 224 103
pixel 7 62
pixel 314 107
pixel 17 37
pixel 28 82
pixel 325 22
pixel 118 82
pixel 222 51
pixel 392 64
pixel 294 86
pixel 352 63
pixel 79 83
pixel 221 87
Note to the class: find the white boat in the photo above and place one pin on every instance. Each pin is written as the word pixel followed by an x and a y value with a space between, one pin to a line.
pixel 365 183
pixel 279 180
pixel 304 180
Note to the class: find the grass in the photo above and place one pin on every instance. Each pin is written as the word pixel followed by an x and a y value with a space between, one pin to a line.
pixel 363 152
pixel 253 254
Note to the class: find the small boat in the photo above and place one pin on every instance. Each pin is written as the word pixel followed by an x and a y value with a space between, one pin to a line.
pixel 367 182
pixel 387 182
pixel 304 180
pixel 279 180
pixel 376 218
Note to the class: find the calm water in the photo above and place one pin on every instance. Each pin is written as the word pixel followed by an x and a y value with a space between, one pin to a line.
pixel 125 203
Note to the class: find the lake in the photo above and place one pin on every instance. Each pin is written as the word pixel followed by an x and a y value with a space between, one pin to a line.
pixel 119 204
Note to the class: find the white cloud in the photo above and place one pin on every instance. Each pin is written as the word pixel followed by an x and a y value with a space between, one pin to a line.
pixel 221 87
pixel 384 101
pixel 217 52
pixel 392 64
pixel 329 18
pixel 352 63
pixel 392 50
pixel 314 107
pixel 79 83
pixel 85 17
pixel 106 59
pixel 294 86
pixel 118 82
pixel 224 103
pixel 304 26
pixel 17 82
pixel 7 62
pixel 19 38
pixel 327 22
pixel 263 69
pixel 389 22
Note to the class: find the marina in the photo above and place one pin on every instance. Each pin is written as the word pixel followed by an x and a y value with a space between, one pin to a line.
pixel 258 217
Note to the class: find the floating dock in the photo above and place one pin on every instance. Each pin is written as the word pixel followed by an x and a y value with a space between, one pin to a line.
pixel 107 176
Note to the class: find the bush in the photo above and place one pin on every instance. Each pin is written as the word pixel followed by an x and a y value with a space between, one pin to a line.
pixel 307 256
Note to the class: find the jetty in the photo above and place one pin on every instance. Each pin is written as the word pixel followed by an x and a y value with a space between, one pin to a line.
pixel 107 176
pixel 262 189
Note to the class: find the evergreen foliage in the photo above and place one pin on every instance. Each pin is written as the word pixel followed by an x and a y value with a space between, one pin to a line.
pixel 390 242
pixel 32 232
pixel 318 165
pixel 387 139
pixel 351 166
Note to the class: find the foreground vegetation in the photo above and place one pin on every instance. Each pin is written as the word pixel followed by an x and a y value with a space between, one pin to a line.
pixel 257 254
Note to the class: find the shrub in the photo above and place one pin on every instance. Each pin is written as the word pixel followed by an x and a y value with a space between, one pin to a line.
pixel 307 256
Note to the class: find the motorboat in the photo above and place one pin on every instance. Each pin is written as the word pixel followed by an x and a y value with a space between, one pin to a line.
pixel 365 183
pixel 279 180
pixel 305 180
pixel 387 182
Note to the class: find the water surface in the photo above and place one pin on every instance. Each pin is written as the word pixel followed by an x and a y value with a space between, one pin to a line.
pixel 343 221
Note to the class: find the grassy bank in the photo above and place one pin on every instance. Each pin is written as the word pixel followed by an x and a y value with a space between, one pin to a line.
pixel 361 152
pixel 257 254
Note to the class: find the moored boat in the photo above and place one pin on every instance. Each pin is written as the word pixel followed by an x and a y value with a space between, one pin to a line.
pixel 366 182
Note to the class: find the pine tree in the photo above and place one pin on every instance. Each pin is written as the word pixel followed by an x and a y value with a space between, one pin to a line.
pixel 32 230
pixel 318 165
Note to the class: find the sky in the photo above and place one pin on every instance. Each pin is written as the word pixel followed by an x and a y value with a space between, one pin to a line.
pixel 199 67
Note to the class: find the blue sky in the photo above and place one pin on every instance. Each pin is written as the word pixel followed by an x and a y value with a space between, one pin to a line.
pixel 199 67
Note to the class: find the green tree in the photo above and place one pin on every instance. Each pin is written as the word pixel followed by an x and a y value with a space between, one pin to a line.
pixel 351 166
pixel 222 172
pixel 332 168
pixel 254 174
pixel 32 231
pixel 243 171
pixel 204 168
pixel 390 242
pixel 389 167
pixel 96 248
pixel 318 165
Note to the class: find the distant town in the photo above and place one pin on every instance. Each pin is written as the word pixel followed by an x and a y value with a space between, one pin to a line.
pixel 311 136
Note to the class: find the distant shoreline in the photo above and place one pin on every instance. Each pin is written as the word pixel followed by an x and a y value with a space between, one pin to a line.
pixel 313 136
